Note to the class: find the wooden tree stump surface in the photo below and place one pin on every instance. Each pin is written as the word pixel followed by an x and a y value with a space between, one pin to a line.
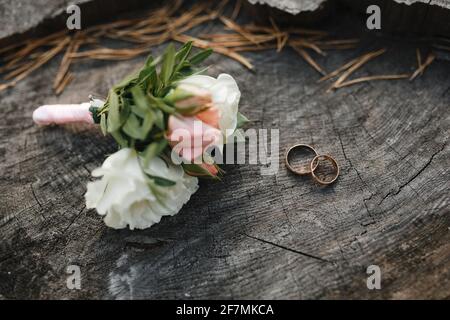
pixel 248 236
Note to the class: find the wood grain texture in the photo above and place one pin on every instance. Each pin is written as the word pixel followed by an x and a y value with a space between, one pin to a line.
pixel 249 236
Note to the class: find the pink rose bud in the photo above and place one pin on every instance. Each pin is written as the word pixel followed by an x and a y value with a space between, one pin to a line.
pixel 190 137
pixel 189 99
pixel 203 170
pixel 210 116
pixel 63 113
pixel 212 169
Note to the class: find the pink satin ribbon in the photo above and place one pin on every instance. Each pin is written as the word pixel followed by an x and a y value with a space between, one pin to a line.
pixel 63 113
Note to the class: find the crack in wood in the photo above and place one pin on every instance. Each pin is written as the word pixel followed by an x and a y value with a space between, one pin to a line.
pixel 413 177
pixel 38 202
pixel 288 249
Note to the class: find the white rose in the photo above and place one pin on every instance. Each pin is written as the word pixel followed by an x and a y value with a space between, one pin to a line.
pixel 225 97
pixel 124 196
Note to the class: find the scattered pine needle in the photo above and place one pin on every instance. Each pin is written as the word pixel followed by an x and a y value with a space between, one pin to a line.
pixel 419 58
pixel 361 61
pixel 441 47
pixel 339 70
pixel 277 34
pixel 42 60
pixel 223 50
pixel 7 85
pixel 10 47
pixel 64 82
pixel 422 66
pixel 220 7
pixel 305 55
pixel 342 44
pixel 73 47
pixel 30 46
pixel 307 44
pixel 233 26
pixel 372 78
pixel 169 22
pixel 236 10
pixel 253 48
pixel 154 28
pixel 307 32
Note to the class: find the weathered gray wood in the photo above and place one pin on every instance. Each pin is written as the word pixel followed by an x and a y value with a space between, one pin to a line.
pixel 23 20
pixel 291 6
pixel 297 6
pixel 249 236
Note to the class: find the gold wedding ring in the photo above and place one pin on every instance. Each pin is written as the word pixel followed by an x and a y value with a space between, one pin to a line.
pixel 304 169
pixel 315 162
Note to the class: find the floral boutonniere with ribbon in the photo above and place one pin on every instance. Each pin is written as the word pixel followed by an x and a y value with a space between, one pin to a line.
pixel 165 118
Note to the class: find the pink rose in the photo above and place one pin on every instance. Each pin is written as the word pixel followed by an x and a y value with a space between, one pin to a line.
pixel 190 137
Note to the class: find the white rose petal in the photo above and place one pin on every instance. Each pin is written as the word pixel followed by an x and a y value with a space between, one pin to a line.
pixel 225 95
pixel 123 195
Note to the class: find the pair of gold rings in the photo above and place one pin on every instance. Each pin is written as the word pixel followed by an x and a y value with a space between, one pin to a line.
pixel 304 170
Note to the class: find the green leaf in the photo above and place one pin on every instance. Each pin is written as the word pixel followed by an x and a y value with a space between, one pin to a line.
pixel 159 119
pixel 149 61
pixel 196 71
pixel 241 120
pixel 201 56
pixel 168 64
pixel 155 62
pixel 147 124
pixel 153 83
pixel 138 111
pixel 153 150
pixel 120 139
pixel 103 124
pixel 115 119
pixel 177 94
pixel 132 127
pixel 131 78
pixel 157 89
pixel 161 105
pixel 145 74
pixel 140 99
pixel 196 170
pixel 162 182
pixel 187 72
pixel 182 55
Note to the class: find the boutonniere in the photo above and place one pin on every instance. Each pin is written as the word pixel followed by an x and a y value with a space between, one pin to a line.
pixel 165 118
